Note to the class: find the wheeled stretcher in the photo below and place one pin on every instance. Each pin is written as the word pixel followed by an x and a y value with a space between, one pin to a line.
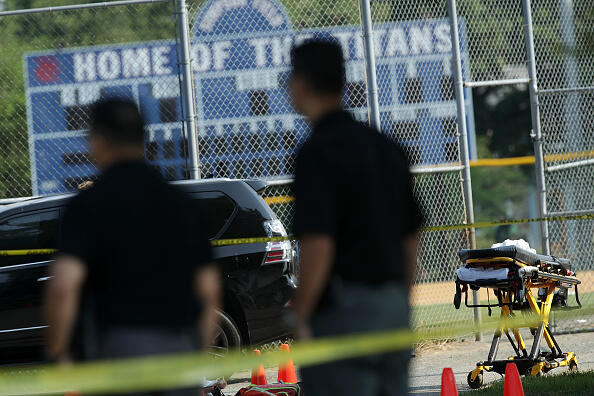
pixel 511 273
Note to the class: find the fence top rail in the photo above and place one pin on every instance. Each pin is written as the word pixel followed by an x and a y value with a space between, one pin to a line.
pixel 564 90
pixel 493 83
pixel 79 7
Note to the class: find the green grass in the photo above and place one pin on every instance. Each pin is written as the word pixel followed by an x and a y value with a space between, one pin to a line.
pixel 439 315
pixel 566 384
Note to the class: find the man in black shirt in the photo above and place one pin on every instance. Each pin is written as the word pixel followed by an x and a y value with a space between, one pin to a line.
pixel 357 221
pixel 134 258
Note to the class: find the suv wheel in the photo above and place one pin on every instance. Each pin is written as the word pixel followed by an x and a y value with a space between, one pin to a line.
pixel 227 336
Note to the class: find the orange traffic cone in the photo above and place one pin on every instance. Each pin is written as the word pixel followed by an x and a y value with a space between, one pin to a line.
pixel 448 383
pixel 286 371
pixel 513 384
pixel 258 373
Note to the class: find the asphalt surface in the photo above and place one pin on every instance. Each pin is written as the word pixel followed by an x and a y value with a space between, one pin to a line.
pixel 425 375
pixel 427 365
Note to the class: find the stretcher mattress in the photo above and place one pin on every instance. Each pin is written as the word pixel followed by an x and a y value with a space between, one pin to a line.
pixel 513 252
pixel 471 275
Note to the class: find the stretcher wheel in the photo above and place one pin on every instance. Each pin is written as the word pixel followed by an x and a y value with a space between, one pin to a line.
pixel 478 381
pixel 529 373
pixel 573 367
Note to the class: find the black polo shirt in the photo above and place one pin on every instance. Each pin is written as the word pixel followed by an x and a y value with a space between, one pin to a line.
pixel 354 184
pixel 141 240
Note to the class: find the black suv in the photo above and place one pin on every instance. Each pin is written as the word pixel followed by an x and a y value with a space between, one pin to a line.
pixel 259 279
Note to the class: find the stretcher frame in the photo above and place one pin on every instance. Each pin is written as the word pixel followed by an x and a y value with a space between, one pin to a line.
pixel 515 293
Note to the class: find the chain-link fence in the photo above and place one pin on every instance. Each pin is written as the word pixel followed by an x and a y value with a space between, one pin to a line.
pixel 561 95
pixel 418 109
pixel 565 65
pixel 54 64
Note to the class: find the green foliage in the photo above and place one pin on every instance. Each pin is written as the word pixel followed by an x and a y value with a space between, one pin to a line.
pixel 41 32
pixel 503 113
pixel 495 30
pixel 498 193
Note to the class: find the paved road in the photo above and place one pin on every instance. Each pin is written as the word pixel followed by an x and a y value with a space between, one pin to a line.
pixel 425 375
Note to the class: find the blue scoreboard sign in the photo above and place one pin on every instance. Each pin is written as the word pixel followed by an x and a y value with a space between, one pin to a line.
pixel 246 126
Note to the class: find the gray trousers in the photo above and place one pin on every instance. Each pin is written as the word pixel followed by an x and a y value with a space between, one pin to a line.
pixel 356 309
pixel 135 342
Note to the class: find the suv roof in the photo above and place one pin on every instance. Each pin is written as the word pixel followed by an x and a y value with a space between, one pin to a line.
pixel 48 201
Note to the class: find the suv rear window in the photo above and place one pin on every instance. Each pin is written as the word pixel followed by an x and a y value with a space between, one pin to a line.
pixel 30 231
pixel 220 209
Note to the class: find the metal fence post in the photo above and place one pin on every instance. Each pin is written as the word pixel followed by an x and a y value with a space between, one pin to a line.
pixel 373 103
pixel 536 130
pixel 463 137
pixel 187 99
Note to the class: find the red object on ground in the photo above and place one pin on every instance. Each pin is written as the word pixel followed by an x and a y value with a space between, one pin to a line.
pixel 258 373
pixel 513 384
pixel 448 383
pixel 286 371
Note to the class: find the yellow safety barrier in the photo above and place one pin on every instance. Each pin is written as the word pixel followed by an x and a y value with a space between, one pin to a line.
pixel 189 369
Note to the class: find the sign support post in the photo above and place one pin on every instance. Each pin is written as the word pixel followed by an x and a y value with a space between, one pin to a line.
pixel 372 101
pixel 187 99
pixel 463 138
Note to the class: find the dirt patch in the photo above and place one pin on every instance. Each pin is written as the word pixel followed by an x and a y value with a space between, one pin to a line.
pixel 443 292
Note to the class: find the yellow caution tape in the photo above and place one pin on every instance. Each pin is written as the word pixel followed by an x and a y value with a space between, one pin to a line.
pixel 189 369
pixel 240 241
pixel 485 224
pixel 279 200
pixel 496 162
pixel 26 252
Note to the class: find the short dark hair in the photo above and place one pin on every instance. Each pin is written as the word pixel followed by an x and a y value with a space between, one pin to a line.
pixel 119 121
pixel 321 63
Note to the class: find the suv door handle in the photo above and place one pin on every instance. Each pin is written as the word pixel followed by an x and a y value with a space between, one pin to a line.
pixel 45 278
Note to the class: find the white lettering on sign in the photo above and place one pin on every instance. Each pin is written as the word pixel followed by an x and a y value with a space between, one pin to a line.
pixel 108 65
pixel 160 60
pixel 358 47
pixel 111 64
pixel 391 41
pixel 269 12
pixel 216 10
pixel 421 40
pixel 88 93
pixel 202 57
pixel 397 43
pixel 442 34
pixel 355 71
pixel 344 38
pixel 281 50
pixel 260 45
pixel 377 41
pixel 84 67
pixel 136 62
pixel 302 37
pixel 256 80
pixel 220 52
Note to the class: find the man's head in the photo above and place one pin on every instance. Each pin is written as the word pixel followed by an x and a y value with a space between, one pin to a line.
pixel 318 77
pixel 116 132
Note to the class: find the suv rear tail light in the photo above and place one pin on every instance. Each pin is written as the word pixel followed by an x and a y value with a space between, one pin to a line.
pixel 274 228
pixel 277 252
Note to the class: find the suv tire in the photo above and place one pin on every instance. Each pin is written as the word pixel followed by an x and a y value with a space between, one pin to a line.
pixel 227 337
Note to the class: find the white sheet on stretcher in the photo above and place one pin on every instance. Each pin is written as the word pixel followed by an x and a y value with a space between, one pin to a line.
pixel 474 274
